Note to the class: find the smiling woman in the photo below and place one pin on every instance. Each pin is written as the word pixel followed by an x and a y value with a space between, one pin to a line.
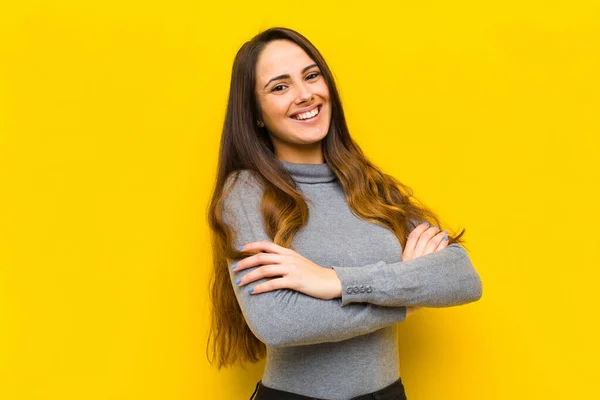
pixel 294 106
pixel 317 253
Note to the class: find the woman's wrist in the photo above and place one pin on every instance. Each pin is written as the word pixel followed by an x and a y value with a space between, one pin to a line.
pixel 336 283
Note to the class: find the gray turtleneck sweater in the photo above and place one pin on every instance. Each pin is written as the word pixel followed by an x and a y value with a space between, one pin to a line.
pixel 341 348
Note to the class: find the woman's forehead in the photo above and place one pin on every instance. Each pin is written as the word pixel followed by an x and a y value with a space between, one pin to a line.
pixel 281 57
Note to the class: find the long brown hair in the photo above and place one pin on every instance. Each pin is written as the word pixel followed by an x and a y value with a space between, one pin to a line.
pixel 371 194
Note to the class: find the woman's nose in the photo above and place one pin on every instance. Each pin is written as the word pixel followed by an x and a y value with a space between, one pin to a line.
pixel 305 94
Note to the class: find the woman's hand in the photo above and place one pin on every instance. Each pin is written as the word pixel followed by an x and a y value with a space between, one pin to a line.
pixel 295 272
pixel 423 240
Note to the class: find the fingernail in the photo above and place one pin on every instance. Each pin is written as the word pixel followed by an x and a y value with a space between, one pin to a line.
pixel 250 290
pixel 426 223
pixel 238 281
pixel 241 247
pixel 445 237
pixel 446 232
pixel 233 266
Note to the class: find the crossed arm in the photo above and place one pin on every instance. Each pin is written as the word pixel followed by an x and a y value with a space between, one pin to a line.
pixel 288 317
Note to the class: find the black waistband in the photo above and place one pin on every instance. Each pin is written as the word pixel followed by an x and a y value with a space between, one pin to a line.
pixel 395 391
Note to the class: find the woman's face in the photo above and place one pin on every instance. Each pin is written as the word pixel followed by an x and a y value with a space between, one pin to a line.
pixel 288 86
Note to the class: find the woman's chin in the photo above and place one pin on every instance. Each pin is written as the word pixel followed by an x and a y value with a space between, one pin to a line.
pixel 315 130
pixel 313 137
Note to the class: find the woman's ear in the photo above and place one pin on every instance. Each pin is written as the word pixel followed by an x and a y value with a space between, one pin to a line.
pixel 259 120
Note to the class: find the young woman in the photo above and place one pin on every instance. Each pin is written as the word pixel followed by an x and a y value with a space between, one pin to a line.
pixel 317 253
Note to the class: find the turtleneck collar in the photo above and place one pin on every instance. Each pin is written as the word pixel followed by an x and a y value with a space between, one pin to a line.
pixel 309 173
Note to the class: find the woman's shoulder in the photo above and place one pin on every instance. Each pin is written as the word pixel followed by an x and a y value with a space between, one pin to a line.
pixel 243 182
pixel 242 195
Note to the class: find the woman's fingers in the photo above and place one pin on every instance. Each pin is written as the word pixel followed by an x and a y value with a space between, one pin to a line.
pixel 269 253
pixel 424 241
pixel 434 243
pixel 266 246
pixel 408 253
pixel 262 272
pixel 257 259
pixel 443 243
pixel 273 284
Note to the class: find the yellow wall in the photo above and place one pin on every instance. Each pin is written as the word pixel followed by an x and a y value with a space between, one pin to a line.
pixel 110 116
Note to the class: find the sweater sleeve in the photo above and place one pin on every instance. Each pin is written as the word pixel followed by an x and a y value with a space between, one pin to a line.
pixel 441 279
pixel 285 317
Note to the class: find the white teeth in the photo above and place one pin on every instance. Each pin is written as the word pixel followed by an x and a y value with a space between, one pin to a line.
pixel 307 114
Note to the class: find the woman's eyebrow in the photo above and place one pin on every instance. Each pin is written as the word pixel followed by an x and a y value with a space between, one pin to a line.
pixel 287 75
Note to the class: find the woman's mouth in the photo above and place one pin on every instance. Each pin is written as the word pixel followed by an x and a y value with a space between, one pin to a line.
pixel 308 117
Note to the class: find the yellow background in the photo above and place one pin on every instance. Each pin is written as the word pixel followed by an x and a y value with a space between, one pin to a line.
pixel 110 119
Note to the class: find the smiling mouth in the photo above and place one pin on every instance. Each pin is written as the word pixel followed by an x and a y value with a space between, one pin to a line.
pixel 311 117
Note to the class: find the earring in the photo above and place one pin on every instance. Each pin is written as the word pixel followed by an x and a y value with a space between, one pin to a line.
pixel 260 123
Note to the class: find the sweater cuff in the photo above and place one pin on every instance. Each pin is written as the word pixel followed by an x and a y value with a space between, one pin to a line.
pixel 358 284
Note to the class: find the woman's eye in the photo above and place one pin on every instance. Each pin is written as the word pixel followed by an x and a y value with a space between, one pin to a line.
pixel 310 76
